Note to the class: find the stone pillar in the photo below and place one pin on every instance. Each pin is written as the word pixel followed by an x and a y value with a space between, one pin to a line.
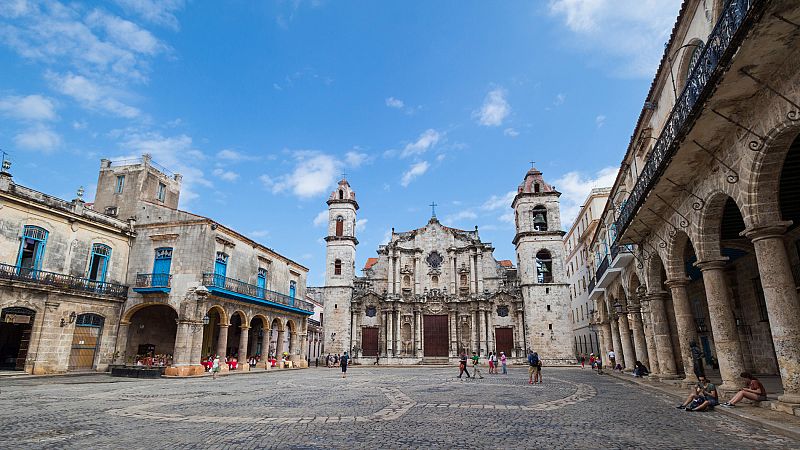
pixel 279 344
pixel 196 350
pixel 617 344
pixel 243 341
pixel 684 322
pixel 183 344
pixel 627 346
pixel 475 331
pixel 396 335
pixel 482 336
pixel 650 341
pixel 663 342
pixel 304 357
pixel 389 334
pixel 452 318
pixel 489 332
pixel 122 341
pixel 479 272
pixel 222 341
pixel 783 309
pixel 417 274
pixel 723 324
pixel 605 338
pixel 639 344
pixel 390 275
pixel 418 334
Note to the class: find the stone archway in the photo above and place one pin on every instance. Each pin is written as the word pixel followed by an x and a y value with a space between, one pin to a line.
pixel 151 333
pixel 215 333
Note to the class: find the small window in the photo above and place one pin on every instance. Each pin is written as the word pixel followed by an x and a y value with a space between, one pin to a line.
pixel 120 184
pixel 548 307
pixel 341 194
pixel 540 218
pixel 536 187
pixel 339 226
pixel 161 194
pixel 550 326
pixel 111 211
pixel 544 267
pixel 337 267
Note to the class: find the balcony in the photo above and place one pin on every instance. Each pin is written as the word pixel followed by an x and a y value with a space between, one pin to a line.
pixel 239 290
pixel 45 280
pixel 722 44
pixel 153 283
pixel 601 269
pixel 592 284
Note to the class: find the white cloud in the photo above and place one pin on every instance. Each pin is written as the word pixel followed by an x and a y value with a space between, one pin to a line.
pixel 496 202
pixel 79 125
pixel 511 132
pixel 600 121
pixel 416 169
pixel 396 103
pixel 428 139
pixel 124 33
pixel 159 12
pixel 495 108
pixel 313 174
pixel 226 175
pixel 575 187
pixel 560 99
pixel 507 218
pixel 38 138
pixel 258 234
pixel 354 159
pixel 361 224
pixel 321 218
pixel 459 216
pixel 234 156
pixel 92 95
pixel 626 34
pixel 29 107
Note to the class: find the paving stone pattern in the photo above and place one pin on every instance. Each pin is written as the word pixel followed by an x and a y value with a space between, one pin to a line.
pixel 372 408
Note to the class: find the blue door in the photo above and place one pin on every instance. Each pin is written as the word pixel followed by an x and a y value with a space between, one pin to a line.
pixel 220 269
pixel 98 263
pixel 31 250
pixel 162 266
pixel 292 291
pixel 261 282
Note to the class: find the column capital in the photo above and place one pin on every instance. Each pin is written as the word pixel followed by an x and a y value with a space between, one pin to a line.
pixel 712 264
pixel 676 282
pixel 244 327
pixel 224 325
pixel 766 231
pixel 658 295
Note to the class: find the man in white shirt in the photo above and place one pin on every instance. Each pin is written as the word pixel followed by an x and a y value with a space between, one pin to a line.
pixel 613 358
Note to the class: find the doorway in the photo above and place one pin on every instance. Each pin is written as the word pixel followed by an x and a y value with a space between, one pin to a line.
pixel 369 341
pixel 85 341
pixel 436 335
pixel 15 336
pixel 504 340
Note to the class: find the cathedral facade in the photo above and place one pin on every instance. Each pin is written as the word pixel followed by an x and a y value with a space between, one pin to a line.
pixel 436 291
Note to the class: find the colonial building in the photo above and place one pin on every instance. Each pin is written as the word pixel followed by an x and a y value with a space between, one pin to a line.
pixel 315 331
pixel 63 271
pixel 437 291
pixel 577 243
pixel 699 241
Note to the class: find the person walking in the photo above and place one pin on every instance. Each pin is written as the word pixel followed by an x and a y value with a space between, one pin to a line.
pixel 583 360
pixel 462 365
pixel 697 360
pixel 343 362
pixel 503 362
pixel 475 362
pixel 533 366
pixel 491 362
pixel 613 358
pixel 215 367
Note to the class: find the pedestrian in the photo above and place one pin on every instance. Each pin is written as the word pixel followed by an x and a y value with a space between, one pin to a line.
pixel 475 362
pixel 697 360
pixel 462 365
pixel 491 362
pixel 503 362
pixel 583 360
pixel 328 360
pixel 612 357
pixel 599 362
pixel 534 367
pixel 215 367
pixel 343 362
pixel 639 370
pixel 336 360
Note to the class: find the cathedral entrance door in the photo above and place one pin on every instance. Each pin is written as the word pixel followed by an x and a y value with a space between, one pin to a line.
pixel 436 335
pixel 504 340
pixel 369 341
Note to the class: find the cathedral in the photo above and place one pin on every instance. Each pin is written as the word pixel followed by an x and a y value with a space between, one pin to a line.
pixel 436 291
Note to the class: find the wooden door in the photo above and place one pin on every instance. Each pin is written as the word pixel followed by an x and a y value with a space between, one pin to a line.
pixel 84 347
pixel 504 340
pixel 436 335
pixel 369 341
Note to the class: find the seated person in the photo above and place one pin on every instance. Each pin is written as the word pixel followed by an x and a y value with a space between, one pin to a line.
pixel 753 390
pixel 639 370
pixel 707 398
pixel 697 394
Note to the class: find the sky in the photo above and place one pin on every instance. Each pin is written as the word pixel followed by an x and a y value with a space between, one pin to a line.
pixel 262 106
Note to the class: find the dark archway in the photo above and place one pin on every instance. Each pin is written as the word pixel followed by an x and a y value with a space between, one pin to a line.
pixel 151 332
pixel 16 325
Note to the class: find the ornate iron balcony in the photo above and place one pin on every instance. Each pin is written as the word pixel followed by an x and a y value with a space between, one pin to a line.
pixel 601 269
pixel 722 44
pixel 62 281
pixel 592 283
pixel 212 280
pixel 157 280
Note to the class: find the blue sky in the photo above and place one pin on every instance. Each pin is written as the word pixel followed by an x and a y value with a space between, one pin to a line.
pixel 262 105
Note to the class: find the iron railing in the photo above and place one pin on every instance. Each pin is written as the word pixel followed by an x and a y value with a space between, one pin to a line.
pixel 153 280
pixel 601 269
pixel 617 249
pixel 62 281
pixel 251 290
pixel 717 52
pixel 592 283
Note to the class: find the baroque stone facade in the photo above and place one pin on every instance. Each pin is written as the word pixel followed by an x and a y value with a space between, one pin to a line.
pixel 437 291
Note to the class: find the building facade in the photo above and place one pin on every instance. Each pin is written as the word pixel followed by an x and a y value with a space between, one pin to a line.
pixel 698 244
pixel 577 243
pixel 437 291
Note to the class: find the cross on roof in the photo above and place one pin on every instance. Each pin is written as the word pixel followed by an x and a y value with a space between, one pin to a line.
pixel 433 206
pixel 533 164
pixel 344 175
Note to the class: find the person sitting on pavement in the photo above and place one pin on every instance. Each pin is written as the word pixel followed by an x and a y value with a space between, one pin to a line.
pixel 639 370
pixel 703 398
pixel 754 391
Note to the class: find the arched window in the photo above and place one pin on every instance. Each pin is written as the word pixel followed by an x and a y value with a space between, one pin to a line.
pixel 98 262
pixel 337 267
pixel 341 194
pixel 406 281
pixel 31 249
pixel 540 218
pixel 339 226
pixel 544 267
pixel 536 187
pixel 464 280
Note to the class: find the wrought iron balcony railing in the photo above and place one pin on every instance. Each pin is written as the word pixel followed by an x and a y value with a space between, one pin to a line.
pixel 251 290
pixel 62 281
pixel 718 51
pixel 617 249
pixel 601 269
pixel 153 280
pixel 592 283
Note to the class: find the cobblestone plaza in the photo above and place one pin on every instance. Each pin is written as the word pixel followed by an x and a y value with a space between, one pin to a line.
pixel 371 408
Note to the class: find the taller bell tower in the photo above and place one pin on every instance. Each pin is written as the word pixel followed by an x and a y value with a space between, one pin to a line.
pixel 540 258
pixel 340 267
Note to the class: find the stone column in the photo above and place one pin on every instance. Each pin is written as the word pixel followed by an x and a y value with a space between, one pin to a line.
pixel 639 344
pixel 475 331
pixel 627 346
pixel 479 272
pixel 183 343
pixel 605 338
pixel 663 342
pixel 482 336
pixel 222 341
pixel 390 275
pixel 618 351
pixel 650 341
pixel 452 319
pixel 521 338
pixel 243 341
pixel 196 350
pixel 279 344
pixel 684 322
pixel 783 309
pixel 723 324
pixel 489 332
pixel 122 341
pixel 417 334
pixel 416 275
pixel 389 334
pixel 396 329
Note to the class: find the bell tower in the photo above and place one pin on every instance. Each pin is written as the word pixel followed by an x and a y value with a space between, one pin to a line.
pixel 540 258
pixel 340 267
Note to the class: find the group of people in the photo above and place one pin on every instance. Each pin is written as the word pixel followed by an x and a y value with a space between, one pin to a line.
pixel 704 395
pixel 333 360
pixel 159 360
pixel 494 359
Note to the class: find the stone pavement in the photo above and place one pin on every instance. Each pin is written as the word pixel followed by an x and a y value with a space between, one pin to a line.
pixel 373 407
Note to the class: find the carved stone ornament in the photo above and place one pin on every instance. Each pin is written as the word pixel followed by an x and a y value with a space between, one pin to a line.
pixel 502 310
pixel 434 260
pixel 434 307
pixel 371 311
pixel 406 270
pixel 463 269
